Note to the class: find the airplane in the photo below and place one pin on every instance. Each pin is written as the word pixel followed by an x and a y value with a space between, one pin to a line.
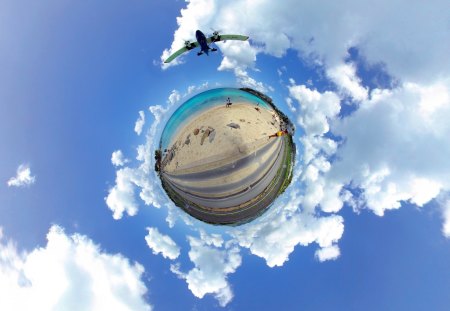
pixel 203 42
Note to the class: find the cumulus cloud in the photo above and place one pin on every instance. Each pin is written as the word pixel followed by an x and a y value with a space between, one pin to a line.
pixel 328 253
pixel 446 217
pixel 277 234
pixel 162 244
pixel 121 197
pixel 394 33
pixel 211 239
pixel 315 112
pixel 174 98
pixel 316 109
pixel 393 149
pixel 388 150
pixel 118 159
pixel 344 75
pixel 396 146
pixel 237 57
pixel 237 54
pixel 23 177
pixel 211 267
pixel 69 273
pixel 139 123
pixel 245 80
pixel 195 88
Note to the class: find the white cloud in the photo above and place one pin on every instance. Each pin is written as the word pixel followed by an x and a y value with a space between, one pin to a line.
pixel 393 150
pixel 162 244
pixel 211 239
pixel 290 105
pixel 237 54
pixel 245 80
pixel 328 253
pixel 397 34
pixel 276 235
pixel 445 215
pixel 117 158
pixel 121 197
pixel 174 98
pixel 212 265
pixel 195 88
pixel 315 109
pixel 389 150
pixel 23 177
pixel 344 75
pixel 69 273
pixel 140 123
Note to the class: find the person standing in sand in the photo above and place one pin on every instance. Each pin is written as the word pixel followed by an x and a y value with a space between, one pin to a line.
pixel 228 104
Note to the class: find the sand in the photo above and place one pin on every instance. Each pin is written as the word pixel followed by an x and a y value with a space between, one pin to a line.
pixel 220 136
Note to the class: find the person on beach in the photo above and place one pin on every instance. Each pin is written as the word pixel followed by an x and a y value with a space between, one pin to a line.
pixel 278 134
pixel 228 104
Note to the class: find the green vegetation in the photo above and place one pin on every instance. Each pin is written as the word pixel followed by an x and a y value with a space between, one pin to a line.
pixel 290 160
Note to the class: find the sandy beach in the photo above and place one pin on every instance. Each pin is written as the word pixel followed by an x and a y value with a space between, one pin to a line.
pixel 220 136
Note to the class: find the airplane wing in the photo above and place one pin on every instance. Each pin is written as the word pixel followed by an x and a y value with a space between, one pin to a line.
pixel 181 51
pixel 217 38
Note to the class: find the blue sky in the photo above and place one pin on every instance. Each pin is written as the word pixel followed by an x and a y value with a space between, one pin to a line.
pixel 365 225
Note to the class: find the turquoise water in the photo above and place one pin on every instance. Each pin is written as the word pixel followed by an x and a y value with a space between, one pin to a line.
pixel 200 102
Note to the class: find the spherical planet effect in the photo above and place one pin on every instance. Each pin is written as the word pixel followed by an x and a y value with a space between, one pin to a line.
pixel 225 155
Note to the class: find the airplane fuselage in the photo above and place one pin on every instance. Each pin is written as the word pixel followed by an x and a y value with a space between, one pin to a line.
pixel 201 39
